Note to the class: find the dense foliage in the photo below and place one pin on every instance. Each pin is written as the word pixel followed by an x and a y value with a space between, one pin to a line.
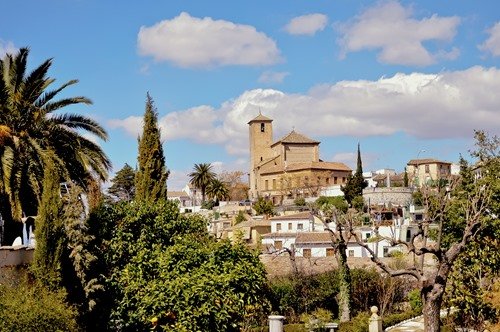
pixel 123 187
pixel 264 207
pixel 26 307
pixel 152 174
pixel 295 295
pixel 165 265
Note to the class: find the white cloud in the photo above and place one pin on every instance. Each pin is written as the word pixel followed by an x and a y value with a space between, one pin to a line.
pixel 177 179
pixel 444 105
pixel 390 28
pixel 306 24
pixel 188 41
pixel 273 77
pixel 492 44
pixel 7 47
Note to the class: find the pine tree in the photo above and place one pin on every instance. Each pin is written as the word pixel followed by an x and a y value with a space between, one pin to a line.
pixel 123 184
pixel 152 174
pixel 355 183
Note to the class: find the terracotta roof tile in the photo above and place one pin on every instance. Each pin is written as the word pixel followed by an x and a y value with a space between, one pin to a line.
pixel 313 237
pixel 278 234
pixel 320 165
pixel 260 117
pixel 295 137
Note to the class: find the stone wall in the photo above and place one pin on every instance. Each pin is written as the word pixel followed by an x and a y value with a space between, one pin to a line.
pixel 396 195
pixel 15 256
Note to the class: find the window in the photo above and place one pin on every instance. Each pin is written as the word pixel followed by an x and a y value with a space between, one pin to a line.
pixel 386 251
pixel 306 253
pixel 335 180
pixel 278 245
pixel 329 252
pixel 367 236
pixel 426 168
pixel 274 184
pixel 262 127
pixel 278 227
pixel 289 226
pixel 408 235
pixel 351 253
pixel 327 180
pixel 300 226
pixel 267 184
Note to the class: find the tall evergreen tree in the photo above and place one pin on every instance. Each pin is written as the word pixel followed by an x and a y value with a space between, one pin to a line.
pixel 152 174
pixel 355 183
pixel 123 184
pixel 49 232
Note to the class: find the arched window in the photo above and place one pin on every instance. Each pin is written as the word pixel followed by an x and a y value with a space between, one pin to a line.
pixel 262 127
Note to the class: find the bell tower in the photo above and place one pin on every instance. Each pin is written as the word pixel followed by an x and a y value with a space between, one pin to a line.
pixel 261 138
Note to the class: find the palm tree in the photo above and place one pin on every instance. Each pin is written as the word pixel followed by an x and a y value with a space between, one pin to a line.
pixel 217 190
pixel 201 176
pixel 32 133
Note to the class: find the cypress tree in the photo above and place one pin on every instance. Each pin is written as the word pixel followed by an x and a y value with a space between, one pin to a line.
pixel 355 183
pixel 152 174
pixel 49 233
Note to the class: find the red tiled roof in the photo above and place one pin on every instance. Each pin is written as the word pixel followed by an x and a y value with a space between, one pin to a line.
pixel 295 137
pixel 260 117
pixel 313 237
pixel 320 165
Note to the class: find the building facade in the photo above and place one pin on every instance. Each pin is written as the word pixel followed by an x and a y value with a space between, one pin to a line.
pixel 290 167
pixel 427 172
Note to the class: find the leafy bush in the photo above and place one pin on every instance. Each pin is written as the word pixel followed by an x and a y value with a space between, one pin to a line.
pixel 28 308
pixel 300 201
pixel 316 319
pixel 167 266
pixel 264 206
pixel 415 300
pixel 338 202
pixel 356 324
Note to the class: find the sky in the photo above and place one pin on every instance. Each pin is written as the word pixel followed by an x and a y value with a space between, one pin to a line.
pixel 405 79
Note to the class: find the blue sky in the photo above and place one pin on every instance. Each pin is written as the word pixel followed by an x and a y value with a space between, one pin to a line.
pixel 397 76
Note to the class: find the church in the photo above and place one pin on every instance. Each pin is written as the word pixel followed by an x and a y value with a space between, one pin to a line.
pixel 290 167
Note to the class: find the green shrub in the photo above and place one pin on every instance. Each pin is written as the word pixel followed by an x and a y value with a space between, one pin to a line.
pixel 295 328
pixel 415 300
pixel 28 308
pixel 356 324
pixel 300 201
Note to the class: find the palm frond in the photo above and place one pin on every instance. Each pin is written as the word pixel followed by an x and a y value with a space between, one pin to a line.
pixel 77 121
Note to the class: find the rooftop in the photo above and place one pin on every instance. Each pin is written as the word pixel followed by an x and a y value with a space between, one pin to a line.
pixel 295 138
pixel 427 161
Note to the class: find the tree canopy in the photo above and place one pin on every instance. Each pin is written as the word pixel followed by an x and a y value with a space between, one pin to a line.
pixel 32 132
pixel 123 187
pixel 152 174
pixel 355 183
pixel 201 177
